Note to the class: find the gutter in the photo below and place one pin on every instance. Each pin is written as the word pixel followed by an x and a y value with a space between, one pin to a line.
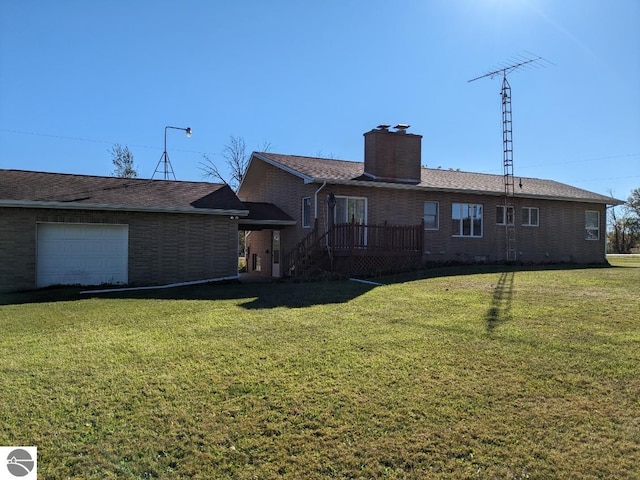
pixel 120 208
pixel 492 193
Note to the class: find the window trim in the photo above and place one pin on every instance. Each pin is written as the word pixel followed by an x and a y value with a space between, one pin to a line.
pixel 528 223
pixel 306 225
pixel 437 215
pixel 349 197
pixel 461 219
pixel 587 228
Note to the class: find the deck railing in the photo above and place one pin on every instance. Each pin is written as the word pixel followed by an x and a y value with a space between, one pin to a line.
pixel 352 239
pixel 377 238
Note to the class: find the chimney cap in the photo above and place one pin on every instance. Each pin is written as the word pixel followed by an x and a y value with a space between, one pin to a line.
pixel 383 126
pixel 402 126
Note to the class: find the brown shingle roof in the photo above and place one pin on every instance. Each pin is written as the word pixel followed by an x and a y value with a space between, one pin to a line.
pixel 264 215
pixel 341 171
pixel 19 187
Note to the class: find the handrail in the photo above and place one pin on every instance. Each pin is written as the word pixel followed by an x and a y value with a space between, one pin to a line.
pixel 353 236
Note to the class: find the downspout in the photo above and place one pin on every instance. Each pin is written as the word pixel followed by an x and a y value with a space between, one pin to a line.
pixel 315 200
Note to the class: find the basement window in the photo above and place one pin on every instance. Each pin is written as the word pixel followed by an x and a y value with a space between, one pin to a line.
pixel 591 225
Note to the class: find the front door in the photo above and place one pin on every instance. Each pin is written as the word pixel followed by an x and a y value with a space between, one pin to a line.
pixel 275 253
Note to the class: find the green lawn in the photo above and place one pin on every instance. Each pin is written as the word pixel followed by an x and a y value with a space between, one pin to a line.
pixel 451 373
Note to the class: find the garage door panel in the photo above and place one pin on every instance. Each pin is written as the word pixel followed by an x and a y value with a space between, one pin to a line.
pixel 84 254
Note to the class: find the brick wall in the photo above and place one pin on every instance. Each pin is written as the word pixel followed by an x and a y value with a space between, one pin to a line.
pixel 286 191
pixel 560 236
pixel 17 250
pixel 163 247
pixel 392 155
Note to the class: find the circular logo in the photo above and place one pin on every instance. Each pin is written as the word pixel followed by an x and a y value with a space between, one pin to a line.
pixel 20 463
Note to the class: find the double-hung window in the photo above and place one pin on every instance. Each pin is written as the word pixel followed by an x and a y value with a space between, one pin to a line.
pixel 466 219
pixel 591 225
pixel 504 215
pixel 431 216
pixel 306 212
pixel 530 216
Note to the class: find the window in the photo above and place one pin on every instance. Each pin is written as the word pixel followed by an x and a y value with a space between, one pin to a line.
pixel 591 225
pixel 466 220
pixel 500 215
pixel 431 217
pixel 306 212
pixel 351 208
pixel 530 216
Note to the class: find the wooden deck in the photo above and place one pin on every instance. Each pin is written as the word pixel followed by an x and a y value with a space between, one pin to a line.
pixel 355 248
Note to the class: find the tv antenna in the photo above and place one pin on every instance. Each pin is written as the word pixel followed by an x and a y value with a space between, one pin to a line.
pixel 519 62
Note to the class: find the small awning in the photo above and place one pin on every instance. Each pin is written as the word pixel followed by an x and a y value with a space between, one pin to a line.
pixel 264 216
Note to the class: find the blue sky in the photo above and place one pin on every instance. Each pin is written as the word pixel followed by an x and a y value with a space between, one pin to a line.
pixel 310 78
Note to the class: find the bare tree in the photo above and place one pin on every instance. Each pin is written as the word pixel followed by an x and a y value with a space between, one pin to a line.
pixel 236 159
pixel 331 156
pixel 625 225
pixel 122 159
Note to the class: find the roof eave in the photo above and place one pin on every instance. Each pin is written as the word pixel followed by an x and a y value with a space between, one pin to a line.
pixel 403 186
pixel 121 208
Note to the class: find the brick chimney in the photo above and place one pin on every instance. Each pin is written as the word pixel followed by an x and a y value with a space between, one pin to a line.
pixel 392 156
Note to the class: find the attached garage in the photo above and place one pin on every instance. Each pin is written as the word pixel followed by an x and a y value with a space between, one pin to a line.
pixel 81 254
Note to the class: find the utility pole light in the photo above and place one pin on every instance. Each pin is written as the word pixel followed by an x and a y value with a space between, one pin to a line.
pixel 164 159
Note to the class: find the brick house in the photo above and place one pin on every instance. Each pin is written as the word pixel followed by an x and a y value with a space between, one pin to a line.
pixel 76 229
pixel 389 209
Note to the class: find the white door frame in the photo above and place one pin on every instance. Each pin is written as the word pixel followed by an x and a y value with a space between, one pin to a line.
pixel 276 253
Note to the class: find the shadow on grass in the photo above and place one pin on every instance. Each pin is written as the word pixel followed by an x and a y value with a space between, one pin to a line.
pixel 458 270
pixel 500 309
pixel 249 296
pixel 293 294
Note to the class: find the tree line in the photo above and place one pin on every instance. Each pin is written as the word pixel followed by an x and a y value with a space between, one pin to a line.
pixel 623 234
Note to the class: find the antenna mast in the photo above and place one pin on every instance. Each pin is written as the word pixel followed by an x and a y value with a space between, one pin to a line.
pixel 507 148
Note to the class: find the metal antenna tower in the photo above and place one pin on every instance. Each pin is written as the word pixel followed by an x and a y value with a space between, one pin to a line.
pixel 507 148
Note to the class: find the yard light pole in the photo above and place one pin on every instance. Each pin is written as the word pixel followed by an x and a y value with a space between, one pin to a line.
pixel 164 159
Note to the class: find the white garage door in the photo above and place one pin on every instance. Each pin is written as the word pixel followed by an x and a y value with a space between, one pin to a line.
pixel 82 254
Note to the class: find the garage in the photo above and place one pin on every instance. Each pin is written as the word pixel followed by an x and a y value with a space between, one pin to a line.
pixel 67 229
pixel 81 254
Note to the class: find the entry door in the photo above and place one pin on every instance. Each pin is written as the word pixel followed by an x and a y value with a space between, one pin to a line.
pixel 275 253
